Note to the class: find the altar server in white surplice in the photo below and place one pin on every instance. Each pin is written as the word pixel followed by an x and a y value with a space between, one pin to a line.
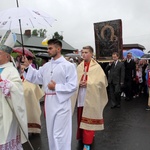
pixel 59 80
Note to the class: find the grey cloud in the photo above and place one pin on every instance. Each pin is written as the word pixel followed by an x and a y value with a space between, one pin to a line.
pixel 75 18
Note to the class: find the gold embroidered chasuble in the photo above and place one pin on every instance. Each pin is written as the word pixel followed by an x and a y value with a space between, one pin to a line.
pixel 95 98
pixel 32 94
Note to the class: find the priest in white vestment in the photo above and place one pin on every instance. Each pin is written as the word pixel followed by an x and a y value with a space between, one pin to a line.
pixel 59 80
pixel 11 95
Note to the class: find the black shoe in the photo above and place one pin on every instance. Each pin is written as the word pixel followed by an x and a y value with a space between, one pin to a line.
pixel 80 145
pixel 147 108
pixel 112 107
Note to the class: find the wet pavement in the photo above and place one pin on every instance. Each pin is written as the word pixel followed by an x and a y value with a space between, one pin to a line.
pixel 126 128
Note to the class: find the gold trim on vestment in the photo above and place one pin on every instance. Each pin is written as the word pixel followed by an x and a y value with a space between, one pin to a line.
pixel 92 121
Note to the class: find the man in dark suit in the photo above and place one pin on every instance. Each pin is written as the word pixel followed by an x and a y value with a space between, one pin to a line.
pixel 130 75
pixel 116 76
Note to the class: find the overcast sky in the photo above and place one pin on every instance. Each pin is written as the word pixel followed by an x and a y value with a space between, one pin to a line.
pixel 75 18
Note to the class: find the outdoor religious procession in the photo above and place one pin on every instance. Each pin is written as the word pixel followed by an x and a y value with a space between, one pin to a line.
pixel 72 82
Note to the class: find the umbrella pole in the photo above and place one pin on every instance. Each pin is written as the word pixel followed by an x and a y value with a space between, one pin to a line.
pixel 17 3
pixel 20 29
pixel 21 36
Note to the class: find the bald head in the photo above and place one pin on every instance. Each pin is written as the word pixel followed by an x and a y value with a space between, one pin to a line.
pixel 4 57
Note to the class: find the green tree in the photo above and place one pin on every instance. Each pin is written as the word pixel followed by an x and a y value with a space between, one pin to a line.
pixel 35 32
pixel 57 36
pixel 40 32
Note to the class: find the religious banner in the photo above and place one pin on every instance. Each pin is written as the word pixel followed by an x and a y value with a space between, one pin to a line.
pixel 108 39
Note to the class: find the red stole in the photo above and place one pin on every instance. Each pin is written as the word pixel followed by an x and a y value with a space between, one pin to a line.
pixel 86 69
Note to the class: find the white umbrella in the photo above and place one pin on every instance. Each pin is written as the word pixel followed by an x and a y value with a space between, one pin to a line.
pixel 19 17
pixel 29 18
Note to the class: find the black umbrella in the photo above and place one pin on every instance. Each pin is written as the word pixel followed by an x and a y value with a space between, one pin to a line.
pixel 72 55
pixel 145 56
pixel 43 55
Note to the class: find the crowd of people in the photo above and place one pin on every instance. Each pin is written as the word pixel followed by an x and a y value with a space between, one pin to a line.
pixel 127 78
pixel 66 84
